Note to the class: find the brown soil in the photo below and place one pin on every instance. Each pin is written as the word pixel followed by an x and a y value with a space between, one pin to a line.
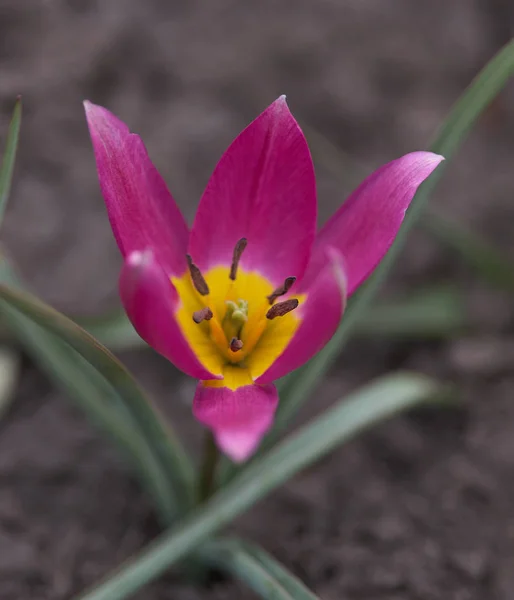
pixel 419 509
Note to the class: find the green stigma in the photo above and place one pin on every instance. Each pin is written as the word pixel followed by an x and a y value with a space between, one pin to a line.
pixel 235 318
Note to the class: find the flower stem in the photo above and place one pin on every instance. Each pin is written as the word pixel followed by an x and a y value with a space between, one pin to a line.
pixel 209 464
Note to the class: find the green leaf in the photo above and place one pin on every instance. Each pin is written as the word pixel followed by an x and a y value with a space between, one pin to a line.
pixel 113 330
pixel 169 453
pixel 92 394
pixel 292 584
pixel 256 568
pixel 485 259
pixel 9 375
pixel 9 158
pixel 298 386
pixel 433 312
pixel 359 411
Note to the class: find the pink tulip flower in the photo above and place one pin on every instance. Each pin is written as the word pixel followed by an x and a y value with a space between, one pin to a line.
pixel 252 291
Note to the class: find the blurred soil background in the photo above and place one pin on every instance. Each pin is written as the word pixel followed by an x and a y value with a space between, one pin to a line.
pixel 422 507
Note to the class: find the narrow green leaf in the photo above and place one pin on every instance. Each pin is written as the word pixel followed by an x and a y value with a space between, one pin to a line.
pixel 433 312
pixel 230 556
pixel 9 158
pixel 360 410
pixel 485 259
pixel 93 395
pixel 287 580
pixel 297 387
pixel 9 374
pixel 113 330
pixel 170 453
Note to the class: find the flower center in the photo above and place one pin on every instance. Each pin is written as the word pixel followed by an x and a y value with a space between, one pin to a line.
pixel 232 316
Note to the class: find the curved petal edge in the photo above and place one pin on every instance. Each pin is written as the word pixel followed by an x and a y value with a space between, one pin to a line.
pixel 364 228
pixel 150 301
pixel 141 210
pixel 321 314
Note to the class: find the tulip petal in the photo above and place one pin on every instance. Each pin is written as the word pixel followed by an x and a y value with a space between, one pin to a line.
pixel 320 316
pixel 151 302
pixel 262 189
pixel 238 417
pixel 365 226
pixel 141 210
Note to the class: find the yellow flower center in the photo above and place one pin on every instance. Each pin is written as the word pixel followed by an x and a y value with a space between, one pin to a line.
pixel 235 324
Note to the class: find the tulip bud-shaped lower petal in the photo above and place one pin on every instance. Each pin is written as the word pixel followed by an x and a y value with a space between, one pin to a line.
pixel 237 411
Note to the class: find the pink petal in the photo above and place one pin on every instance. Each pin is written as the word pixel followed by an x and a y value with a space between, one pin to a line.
pixel 151 300
pixel 141 210
pixel 263 189
pixel 321 314
pixel 238 418
pixel 365 226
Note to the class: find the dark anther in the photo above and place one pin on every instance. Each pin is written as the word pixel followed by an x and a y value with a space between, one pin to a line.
pixel 283 289
pixel 197 277
pixel 204 314
pixel 236 345
pixel 236 257
pixel 282 308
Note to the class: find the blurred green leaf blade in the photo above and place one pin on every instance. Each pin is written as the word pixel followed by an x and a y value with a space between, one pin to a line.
pixel 290 582
pixel 9 157
pixel 358 411
pixel 433 312
pixel 256 568
pixel 486 260
pixel 10 368
pixel 171 455
pixel 92 394
pixel 113 330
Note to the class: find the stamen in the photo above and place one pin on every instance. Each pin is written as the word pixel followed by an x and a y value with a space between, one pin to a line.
pixel 204 314
pixel 236 345
pixel 197 277
pixel 236 257
pixel 283 289
pixel 282 308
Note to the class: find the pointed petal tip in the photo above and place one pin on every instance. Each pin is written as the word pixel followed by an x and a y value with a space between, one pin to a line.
pixel 141 209
pixel 99 118
pixel 282 105
pixel 423 163
pixel 265 188
pixel 363 229
pixel 89 107
pixel 429 157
